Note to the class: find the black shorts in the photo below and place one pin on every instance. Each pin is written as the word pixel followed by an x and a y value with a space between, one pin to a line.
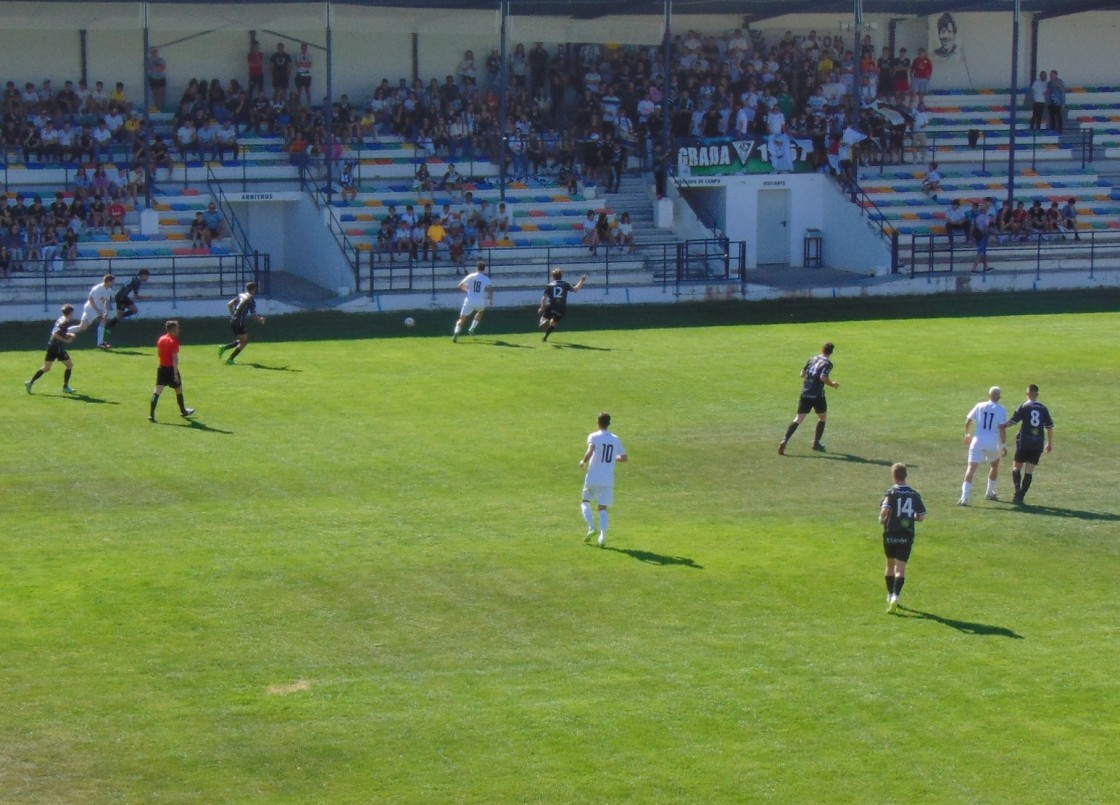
pixel 125 304
pixel 898 547
pixel 280 81
pixel 554 313
pixel 303 81
pixel 57 352
pixel 1027 456
pixel 238 328
pixel 167 376
pixel 807 404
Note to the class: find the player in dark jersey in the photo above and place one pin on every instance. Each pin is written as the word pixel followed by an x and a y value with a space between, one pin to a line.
pixel 554 300
pixel 56 349
pixel 901 507
pixel 241 308
pixel 1030 442
pixel 815 376
pixel 123 299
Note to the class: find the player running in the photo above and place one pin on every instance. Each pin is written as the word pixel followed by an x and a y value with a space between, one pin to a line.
pixel 604 449
pixel 902 506
pixel 126 307
pixel 815 376
pixel 96 309
pixel 554 301
pixel 480 293
pixel 241 308
pixel 56 350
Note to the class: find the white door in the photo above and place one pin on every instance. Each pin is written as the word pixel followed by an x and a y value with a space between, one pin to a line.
pixel 773 227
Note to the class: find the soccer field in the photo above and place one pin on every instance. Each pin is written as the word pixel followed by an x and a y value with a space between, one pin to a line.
pixel 359 576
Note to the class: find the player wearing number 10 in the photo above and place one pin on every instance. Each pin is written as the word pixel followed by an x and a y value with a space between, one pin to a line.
pixel 604 449
pixel 901 507
pixel 987 445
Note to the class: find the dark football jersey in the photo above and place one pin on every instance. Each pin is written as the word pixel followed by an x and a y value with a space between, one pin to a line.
pixel 557 293
pixel 815 371
pixel 244 307
pixel 1035 418
pixel 125 293
pixel 903 505
pixel 59 330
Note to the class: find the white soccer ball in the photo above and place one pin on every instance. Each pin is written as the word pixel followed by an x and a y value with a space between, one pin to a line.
pixel 409 321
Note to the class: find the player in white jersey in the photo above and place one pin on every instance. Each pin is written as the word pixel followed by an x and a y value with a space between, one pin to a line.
pixel 480 293
pixel 604 449
pixel 986 444
pixel 99 308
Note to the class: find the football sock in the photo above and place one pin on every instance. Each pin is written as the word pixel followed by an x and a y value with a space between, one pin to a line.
pixel 1027 483
pixel 586 508
pixel 789 431
pixel 991 487
pixel 182 404
pixel 548 331
pixel 100 333
pixel 890 584
pixel 112 323
pixel 66 377
pixel 604 521
pixel 898 582
pixel 1017 479
pixel 38 374
pixel 458 328
pixel 155 402
pixel 234 354
pixel 966 490
pixel 232 344
pixel 820 432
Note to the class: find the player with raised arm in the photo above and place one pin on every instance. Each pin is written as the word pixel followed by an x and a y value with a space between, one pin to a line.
pixel 604 450
pixel 56 350
pixel 1030 441
pixel 241 308
pixel 168 372
pixel 815 376
pixel 480 293
pixel 987 444
pixel 97 308
pixel 126 307
pixel 902 506
pixel 554 300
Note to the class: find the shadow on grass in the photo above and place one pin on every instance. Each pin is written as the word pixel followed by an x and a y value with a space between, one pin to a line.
pixel 562 345
pixel 1076 514
pixel 86 398
pixel 126 352
pixel 272 368
pixel 851 458
pixel 967 627
pixel 651 558
pixel 497 343
pixel 193 424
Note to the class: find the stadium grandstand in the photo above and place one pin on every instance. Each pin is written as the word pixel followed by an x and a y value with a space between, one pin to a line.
pixel 364 154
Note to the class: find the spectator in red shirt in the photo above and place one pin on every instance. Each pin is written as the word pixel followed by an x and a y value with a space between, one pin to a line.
pixel 168 372
pixel 921 71
pixel 256 67
pixel 116 213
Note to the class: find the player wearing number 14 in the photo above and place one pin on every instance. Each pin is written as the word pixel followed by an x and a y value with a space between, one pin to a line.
pixel 902 506
pixel 604 450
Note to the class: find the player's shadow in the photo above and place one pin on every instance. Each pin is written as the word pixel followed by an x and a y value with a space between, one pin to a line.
pixel 126 352
pixel 87 398
pixel 851 458
pixel 195 424
pixel 967 627
pixel 273 368
pixel 651 558
pixel 562 345
pixel 1076 514
pixel 499 343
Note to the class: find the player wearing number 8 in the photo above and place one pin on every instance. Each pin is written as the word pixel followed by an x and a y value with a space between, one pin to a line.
pixel 987 445
pixel 902 506
pixel 604 450
pixel 1030 442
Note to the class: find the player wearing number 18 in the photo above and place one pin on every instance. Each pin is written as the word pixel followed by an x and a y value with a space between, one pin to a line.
pixel 1030 442
pixel 604 450
pixel 901 507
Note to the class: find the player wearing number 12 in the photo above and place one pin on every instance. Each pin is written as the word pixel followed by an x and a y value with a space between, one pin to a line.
pixel 604 450
pixel 554 300
pixel 902 506
pixel 1030 442
pixel 987 445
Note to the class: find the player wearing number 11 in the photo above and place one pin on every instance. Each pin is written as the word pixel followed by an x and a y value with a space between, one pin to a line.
pixel 902 507
pixel 986 445
pixel 604 449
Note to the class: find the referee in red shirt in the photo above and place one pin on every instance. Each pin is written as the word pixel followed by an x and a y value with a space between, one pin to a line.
pixel 168 372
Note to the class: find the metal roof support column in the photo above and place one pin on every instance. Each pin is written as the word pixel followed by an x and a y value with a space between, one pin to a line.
pixel 328 111
pixel 667 80
pixel 1014 102
pixel 503 83
pixel 147 134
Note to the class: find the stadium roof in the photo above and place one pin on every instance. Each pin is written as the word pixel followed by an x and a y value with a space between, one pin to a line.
pixel 752 10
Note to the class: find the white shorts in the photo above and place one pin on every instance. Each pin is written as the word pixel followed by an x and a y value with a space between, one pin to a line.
pixel 603 494
pixel 981 454
pixel 89 313
pixel 470 307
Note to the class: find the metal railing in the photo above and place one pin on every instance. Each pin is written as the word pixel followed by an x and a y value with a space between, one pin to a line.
pixel 1025 141
pixel 236 230
pixel 940 254
pixel 351 253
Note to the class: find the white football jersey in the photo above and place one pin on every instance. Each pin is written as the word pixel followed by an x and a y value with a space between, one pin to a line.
pixel 101 295
pixel 476 285
pixel 988 416
pixel 606 448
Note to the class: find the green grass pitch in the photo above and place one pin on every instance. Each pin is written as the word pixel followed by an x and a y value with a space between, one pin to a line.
pixel 359 575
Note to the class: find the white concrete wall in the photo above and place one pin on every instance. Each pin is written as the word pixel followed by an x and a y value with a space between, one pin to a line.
pixel 309 250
